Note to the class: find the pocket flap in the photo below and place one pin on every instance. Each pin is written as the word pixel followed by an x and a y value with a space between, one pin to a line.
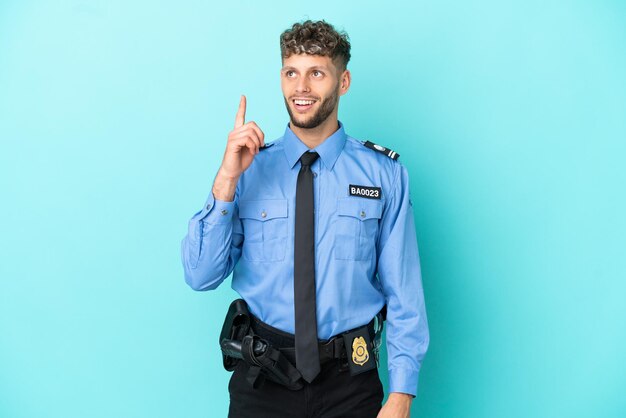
pixel 263 210
pixel 360 208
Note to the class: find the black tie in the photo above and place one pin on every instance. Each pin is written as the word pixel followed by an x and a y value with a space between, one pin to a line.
pixel 307 354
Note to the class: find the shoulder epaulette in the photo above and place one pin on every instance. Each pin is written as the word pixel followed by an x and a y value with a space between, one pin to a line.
pixel 379 148
pixel 266 146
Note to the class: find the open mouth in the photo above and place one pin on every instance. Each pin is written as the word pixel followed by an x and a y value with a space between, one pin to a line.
pixel 302 105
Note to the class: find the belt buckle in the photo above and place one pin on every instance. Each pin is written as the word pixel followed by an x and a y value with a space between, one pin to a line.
pixel 343 361
pixel 328 348
pixel 339 354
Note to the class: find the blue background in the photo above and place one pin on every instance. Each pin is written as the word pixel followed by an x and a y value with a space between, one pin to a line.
pixel 510 117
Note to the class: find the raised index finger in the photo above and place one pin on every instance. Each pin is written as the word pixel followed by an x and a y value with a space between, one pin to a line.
pixel 241 113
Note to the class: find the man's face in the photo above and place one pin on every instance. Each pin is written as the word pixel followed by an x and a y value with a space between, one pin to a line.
pixel 311 87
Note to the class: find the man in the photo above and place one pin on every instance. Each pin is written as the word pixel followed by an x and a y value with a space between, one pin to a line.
pixel 317 228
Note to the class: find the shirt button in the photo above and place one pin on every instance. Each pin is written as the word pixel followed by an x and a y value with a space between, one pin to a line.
pixel 314 174
pixel 224 212
pixel 208 207
pixel 362 214
pixel 263 214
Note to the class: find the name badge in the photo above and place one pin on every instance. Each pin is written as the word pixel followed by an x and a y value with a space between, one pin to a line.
pixel 365 191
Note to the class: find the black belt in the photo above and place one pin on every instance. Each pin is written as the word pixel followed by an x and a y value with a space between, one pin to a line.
pixel 331 349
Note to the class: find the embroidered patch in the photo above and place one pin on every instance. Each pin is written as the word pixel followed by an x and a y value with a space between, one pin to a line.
pixel 365 191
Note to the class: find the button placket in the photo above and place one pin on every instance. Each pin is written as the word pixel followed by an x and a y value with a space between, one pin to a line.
pixel 317 199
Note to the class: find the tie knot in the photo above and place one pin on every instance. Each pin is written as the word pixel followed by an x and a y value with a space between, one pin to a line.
pixel 308 158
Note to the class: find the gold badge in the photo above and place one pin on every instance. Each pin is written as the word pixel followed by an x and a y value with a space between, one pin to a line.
pixel 359 351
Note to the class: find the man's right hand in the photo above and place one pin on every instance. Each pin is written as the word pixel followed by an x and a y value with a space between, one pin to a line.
pixel 243 144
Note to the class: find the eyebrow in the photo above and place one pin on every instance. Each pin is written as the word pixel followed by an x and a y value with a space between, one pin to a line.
pixel 315 67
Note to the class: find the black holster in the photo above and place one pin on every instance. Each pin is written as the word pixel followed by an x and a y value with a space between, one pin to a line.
pixel 238 342
pixel 236 326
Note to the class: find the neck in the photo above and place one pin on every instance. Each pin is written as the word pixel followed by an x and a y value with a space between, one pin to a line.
pixel 315 136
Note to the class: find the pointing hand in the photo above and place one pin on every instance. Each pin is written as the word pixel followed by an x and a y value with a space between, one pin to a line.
pixel 243 144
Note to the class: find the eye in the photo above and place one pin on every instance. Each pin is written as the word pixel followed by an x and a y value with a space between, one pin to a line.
pixel 289 73
pixel 317 74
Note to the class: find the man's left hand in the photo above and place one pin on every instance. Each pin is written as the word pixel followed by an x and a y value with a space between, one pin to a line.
pixel 398 405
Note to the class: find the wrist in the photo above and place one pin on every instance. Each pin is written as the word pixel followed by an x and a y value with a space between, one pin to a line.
pixel 224 175
pixel 224 186
pixel 400 397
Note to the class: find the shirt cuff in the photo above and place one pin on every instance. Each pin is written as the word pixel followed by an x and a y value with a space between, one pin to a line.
pixel 403 381
pixel 217 211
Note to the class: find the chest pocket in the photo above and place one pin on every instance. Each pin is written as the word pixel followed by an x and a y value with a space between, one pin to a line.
pixel 356 228
pixel 264 228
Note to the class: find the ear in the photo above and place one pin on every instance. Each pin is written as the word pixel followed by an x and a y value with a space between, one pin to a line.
pixel 344 85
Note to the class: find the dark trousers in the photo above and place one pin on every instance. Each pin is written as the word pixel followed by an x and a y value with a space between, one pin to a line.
pixel 333 394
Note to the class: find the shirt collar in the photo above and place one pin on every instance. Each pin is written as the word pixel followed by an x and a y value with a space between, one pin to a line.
pixel 328 150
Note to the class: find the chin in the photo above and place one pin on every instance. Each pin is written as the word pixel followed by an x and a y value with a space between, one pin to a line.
pixel 308 123
pixel 303 120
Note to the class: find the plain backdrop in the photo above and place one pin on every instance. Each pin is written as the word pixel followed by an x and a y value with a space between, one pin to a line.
pixel 510 117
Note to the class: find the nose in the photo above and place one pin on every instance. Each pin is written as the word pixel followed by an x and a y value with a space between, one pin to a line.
pixel 302 85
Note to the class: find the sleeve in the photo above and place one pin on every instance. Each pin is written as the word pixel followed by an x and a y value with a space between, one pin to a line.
pixel 400 277
pixel 212 245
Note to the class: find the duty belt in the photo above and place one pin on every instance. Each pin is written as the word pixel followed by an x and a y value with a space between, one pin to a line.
pixel 332 349
pixel 270 352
